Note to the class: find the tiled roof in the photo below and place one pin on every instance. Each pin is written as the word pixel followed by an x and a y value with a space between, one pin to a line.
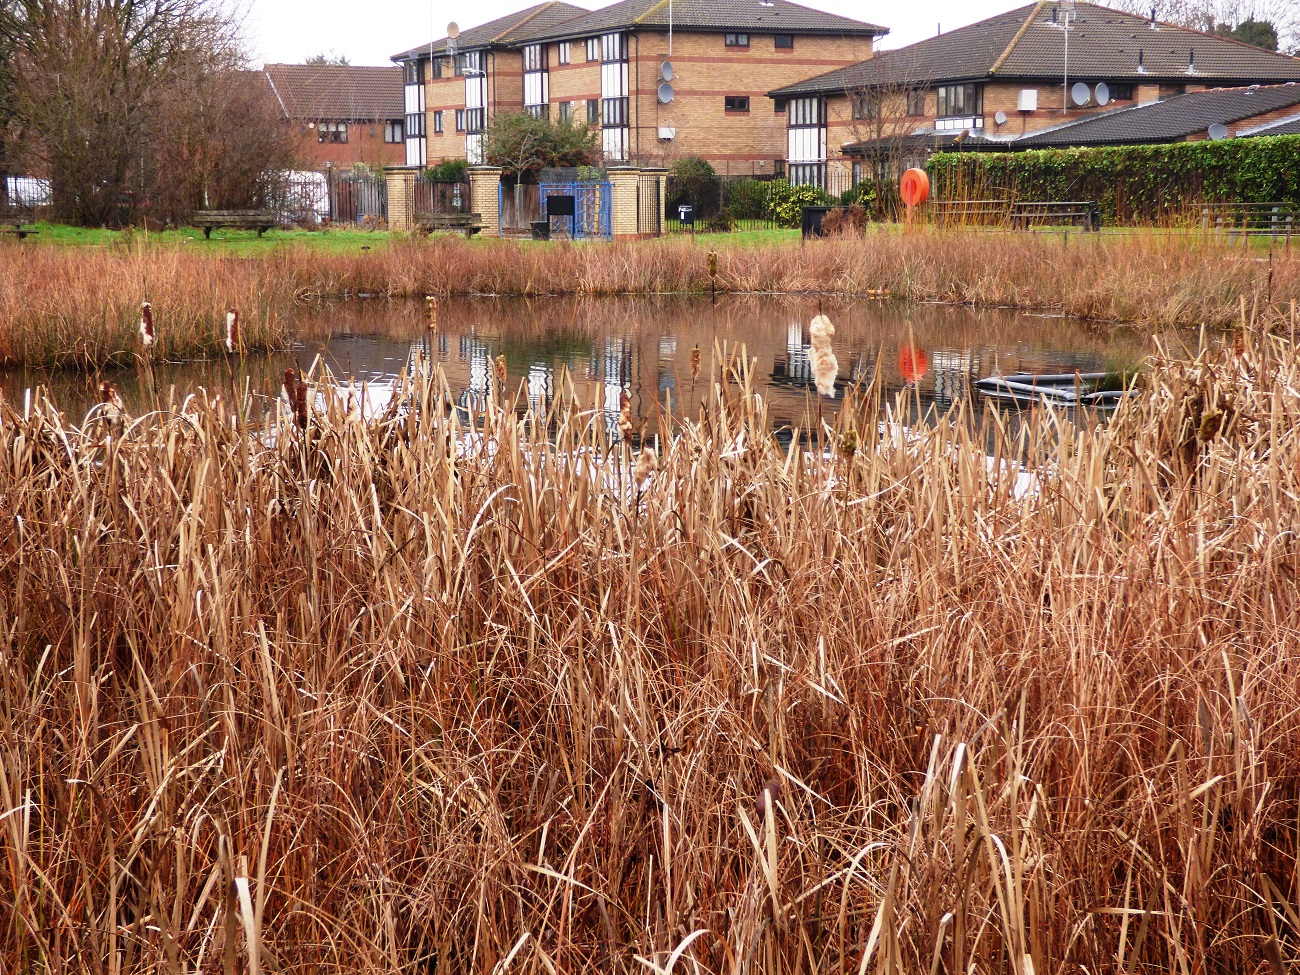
pixel 1167 121
pixel 340 92
pixel 1028 42
pixel 754 16
pixel 1287 126
pixel 502 31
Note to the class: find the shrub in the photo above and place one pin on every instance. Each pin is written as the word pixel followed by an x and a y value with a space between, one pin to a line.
pixel 788 201
pixel 1144 184
pixel 750 199
pixel 448 171
pixel 845 221
pixel 695 183
pixel 520 144
pixel 864 195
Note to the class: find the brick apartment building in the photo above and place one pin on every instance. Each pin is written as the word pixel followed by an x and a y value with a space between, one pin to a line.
pixel 1001 79
pixel 659 82
pixel 342 115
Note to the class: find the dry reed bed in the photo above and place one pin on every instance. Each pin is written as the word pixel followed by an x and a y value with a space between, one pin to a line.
pixel 59 306
pixel 353 702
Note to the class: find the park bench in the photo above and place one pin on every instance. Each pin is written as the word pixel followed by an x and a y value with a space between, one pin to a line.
pixel 1018 216
pixel 1082 213
pixel 1272 220
pixel 210 220
pixel 467 223
pixel 16 221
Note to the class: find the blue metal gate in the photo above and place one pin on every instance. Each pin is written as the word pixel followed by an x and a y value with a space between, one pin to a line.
pixel 592 209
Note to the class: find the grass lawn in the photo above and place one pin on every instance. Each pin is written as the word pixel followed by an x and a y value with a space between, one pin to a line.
pixel 240 242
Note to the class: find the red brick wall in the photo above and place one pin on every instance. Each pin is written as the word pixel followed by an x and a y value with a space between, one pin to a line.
pixel 365 145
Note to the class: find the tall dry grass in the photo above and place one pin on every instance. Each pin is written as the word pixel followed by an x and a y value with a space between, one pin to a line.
pixel 59 306
pixel 399 695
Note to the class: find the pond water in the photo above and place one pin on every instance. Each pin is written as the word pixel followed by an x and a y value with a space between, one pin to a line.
pixel 644 347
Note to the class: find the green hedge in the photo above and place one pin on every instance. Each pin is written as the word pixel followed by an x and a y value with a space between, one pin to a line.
pixel 1145 184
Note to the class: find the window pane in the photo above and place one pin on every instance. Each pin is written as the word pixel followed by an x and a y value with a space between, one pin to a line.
pixel 784 41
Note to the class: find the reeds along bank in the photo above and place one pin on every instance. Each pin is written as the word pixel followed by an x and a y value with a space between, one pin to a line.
pixel 64 307
pixel 393 695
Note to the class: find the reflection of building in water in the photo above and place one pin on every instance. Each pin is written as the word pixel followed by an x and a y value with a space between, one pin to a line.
pixel 541 386
pixel 475 396
pixel 616 379
pixel 953 370
pixel 667 367
pixel 796 370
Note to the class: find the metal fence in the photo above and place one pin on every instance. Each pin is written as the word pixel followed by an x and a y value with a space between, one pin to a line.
pixel 593 212
pixel 437 197
pixel 358 198
pixel 28 191
pixel 719 203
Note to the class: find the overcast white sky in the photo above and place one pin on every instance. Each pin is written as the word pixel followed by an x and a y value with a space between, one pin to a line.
pixel 369 32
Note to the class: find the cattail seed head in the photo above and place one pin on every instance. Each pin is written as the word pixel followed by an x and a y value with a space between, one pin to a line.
pixel 146 325
pixel 501 369
pixel 713 264
pixel 232 330
pixel 625 426
pixel 825 366
pixel 432 301
pixel 647 462
pixel 695 361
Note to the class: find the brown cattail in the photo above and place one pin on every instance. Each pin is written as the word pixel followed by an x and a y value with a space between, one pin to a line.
pixel 695 361
pixel 501 370
pixel 713 264
pixel 294 394
pixel 647 462
pixel 825 366
pixel 767 798
pixel 232 330
pixel 111 402
pixel 625 427
pixel 432 301
pixel 146 325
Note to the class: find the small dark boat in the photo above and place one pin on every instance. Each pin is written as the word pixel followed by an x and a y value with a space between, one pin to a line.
pixel 1062 389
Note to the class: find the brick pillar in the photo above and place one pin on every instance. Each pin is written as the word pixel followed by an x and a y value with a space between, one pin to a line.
pixel 484 198
pixel 623 181
pixel 401 196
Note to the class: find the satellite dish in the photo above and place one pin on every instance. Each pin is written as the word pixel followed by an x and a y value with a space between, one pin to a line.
pixel 1080 93
pixel 1103 93
pixel 666 71
pixel 665 93
pixel 1000 118
pixel 1218 131
pixel 453 30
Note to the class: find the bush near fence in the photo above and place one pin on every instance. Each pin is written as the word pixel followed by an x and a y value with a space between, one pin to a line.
pixel 1130 184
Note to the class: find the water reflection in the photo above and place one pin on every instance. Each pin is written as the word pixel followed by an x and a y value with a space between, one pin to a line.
pixel 644 348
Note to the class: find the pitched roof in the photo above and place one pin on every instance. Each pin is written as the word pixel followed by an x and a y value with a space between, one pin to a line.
pixel 332 91
pixel 770 17
pixel 1028 42
pixel 1167 121
pixel 1288 126
pixel 503 30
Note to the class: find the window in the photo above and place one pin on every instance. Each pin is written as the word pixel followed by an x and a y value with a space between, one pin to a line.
pixel 437 123
pixel 780 105
pixel 437 68
pixel 538 111
pixel 335 132
pixel 534 57
pixel 784 42
pixel 593 48
pixel 956 101
pixel 415 124
pixel 460 120
pixel 562 53
pixel 473 120
pixel 1121 93
pixel 394 133
pixel 807 113
pixel 613 47
pixel 736 103
pixel 915 103
pixel 566 112
pixel 411 72
pixel 613 112
pixel 737 40
pixel 864 107
pixel 469 63
pixel 593 111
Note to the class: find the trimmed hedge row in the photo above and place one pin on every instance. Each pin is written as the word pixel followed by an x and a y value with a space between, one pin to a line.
pixel 1131 184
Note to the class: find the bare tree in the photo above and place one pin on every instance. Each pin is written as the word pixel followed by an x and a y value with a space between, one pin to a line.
pixel 91 78
pixel 1207 15
pixel 885 112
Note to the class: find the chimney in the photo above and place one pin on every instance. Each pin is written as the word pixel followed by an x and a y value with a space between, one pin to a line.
pixel 1191 61
pixel 1141 67
pixel 1153 16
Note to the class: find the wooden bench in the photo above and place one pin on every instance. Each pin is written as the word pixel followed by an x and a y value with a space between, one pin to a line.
pixel 16 221
pixel 467 223
pixel 1251 219
pixel 1083 213
pixel 210 220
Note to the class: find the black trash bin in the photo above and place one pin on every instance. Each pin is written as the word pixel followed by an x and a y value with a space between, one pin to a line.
pixel 541 229
pixel 686 215
pixel 811 223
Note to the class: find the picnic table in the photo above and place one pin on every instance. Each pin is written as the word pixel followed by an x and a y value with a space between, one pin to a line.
pixel 467 223
pixel 16 220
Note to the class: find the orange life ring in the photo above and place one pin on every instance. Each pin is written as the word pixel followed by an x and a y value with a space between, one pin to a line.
pixel 914 187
